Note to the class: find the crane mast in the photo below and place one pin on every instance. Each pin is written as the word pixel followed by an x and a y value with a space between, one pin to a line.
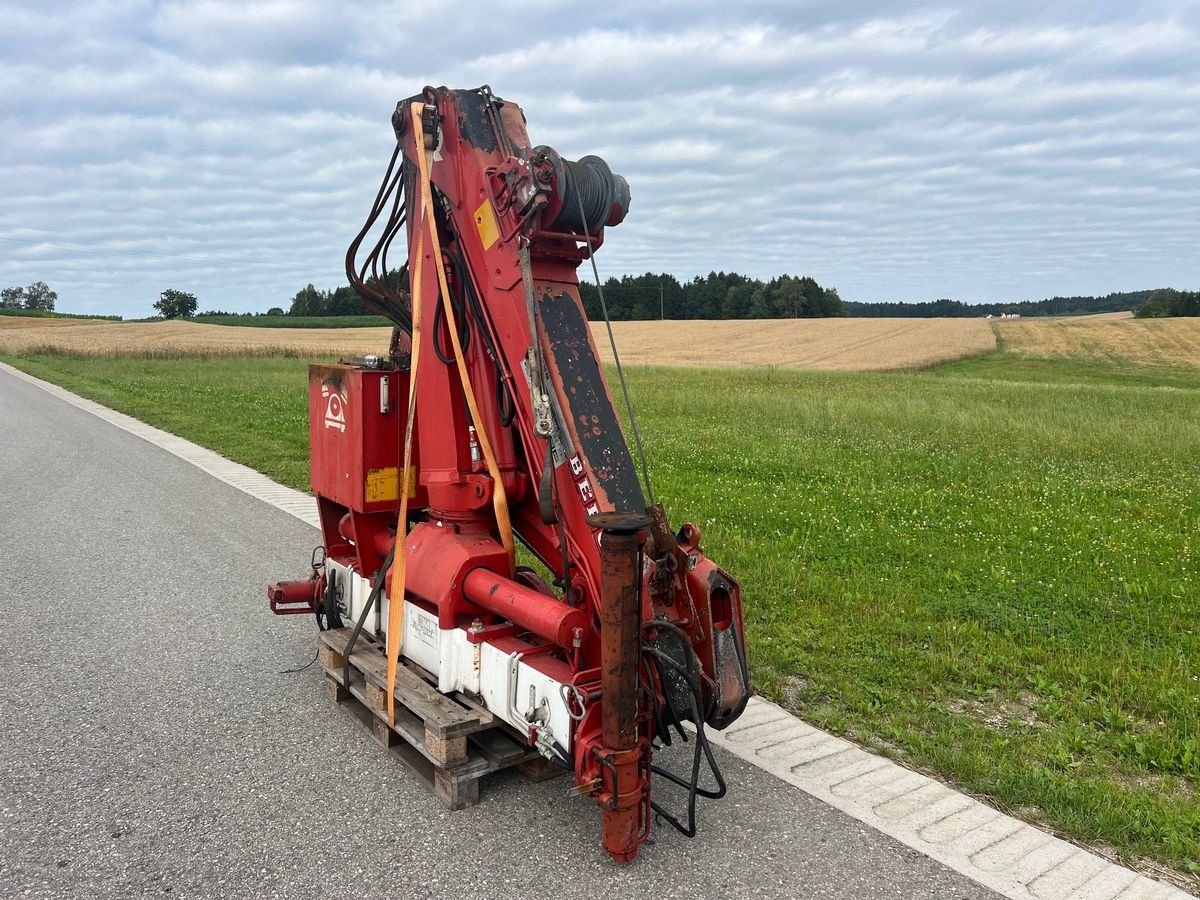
pixel 490 425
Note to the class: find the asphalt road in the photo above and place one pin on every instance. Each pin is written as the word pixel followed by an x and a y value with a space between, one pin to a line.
pixel 150 746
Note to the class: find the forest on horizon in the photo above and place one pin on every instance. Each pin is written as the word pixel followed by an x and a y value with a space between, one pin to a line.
pixel 730 295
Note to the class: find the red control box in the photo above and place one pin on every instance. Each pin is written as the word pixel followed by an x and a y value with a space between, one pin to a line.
pixel 356 420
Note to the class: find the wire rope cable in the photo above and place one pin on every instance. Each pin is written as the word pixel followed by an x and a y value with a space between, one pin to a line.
pixel 612 341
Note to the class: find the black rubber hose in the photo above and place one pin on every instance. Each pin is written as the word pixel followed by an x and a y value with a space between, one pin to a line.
pixel 327 610
pixel 661 730
pixel 695 699
pixel 701 735
pixel 372 599
pixel 464 332
pixel 390 188
pixel 504 402
pixel 687 642
pixel 693 785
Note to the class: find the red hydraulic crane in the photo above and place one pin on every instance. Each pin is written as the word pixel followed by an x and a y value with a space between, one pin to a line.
pixel 491 423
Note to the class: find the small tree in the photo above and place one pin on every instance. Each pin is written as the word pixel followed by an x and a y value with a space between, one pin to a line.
pixel 1151 309
pixel 275 311
pixel 12 298
pixel 174 304
pixel 39 296
pixel 309 302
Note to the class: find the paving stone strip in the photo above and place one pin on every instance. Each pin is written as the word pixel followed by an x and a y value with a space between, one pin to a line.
pixel 1008 855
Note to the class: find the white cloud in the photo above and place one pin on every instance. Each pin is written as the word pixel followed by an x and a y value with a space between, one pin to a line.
pixel 979 151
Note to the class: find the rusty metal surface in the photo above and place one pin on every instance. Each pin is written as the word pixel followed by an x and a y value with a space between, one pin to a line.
pixel 620 663
pixel 620 619
pixel 587 405
pixel 474 122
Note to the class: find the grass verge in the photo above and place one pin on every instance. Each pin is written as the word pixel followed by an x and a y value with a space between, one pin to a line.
pixel 989 570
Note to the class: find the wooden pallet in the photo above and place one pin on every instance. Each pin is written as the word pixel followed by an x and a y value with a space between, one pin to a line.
pixel 449 742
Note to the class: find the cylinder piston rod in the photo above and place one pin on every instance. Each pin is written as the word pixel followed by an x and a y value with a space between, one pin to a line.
pixel 544 616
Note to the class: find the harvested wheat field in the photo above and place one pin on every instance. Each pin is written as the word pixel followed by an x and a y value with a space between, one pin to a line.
pixel 175 338
pixel 828 344
pixel 1108 338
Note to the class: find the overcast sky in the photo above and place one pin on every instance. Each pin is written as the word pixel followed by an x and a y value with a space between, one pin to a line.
pixel 999 151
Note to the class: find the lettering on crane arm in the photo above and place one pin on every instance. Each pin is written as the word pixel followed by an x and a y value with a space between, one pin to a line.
pixel 336 401
pixel 584 486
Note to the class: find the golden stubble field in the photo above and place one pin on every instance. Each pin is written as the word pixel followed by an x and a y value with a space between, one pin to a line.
pixel 829 344
pixel 821 344
pixel 1106 338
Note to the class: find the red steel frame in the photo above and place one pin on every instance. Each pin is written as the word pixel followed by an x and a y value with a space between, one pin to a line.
pixel 620 584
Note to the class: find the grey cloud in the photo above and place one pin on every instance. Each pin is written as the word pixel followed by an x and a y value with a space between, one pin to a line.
pixel 982 151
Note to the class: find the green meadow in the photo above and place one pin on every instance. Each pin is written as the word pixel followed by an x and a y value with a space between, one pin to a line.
pixel 989 570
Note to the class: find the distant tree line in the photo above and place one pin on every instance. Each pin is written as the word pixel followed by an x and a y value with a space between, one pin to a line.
pixel 1169 302
pixel 718 295
pixel 37 296
pixel 1051 306
pixel 729 295
pixel 342 301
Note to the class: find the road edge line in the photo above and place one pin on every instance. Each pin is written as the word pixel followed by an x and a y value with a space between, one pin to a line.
pixel 250 481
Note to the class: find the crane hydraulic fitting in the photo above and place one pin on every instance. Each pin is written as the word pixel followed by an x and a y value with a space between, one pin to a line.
pixel 488 422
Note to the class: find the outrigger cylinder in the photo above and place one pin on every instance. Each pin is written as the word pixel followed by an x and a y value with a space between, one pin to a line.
pixel 624 750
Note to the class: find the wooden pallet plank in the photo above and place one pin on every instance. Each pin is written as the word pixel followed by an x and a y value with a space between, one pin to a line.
pixel 334 688
pixel 384 734
pixel 486 716
pixel 448 765
pixel 440 713
pixel 455 794
pixel 540 769
pixel 407 725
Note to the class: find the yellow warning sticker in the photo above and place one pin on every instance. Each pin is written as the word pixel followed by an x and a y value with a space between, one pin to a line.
pixel 383 485
pixel 485 221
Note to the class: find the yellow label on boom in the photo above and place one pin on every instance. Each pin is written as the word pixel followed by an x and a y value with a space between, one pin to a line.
pixel 485 221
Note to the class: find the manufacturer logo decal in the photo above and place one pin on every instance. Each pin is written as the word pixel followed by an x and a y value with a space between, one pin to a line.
pixel 335 407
